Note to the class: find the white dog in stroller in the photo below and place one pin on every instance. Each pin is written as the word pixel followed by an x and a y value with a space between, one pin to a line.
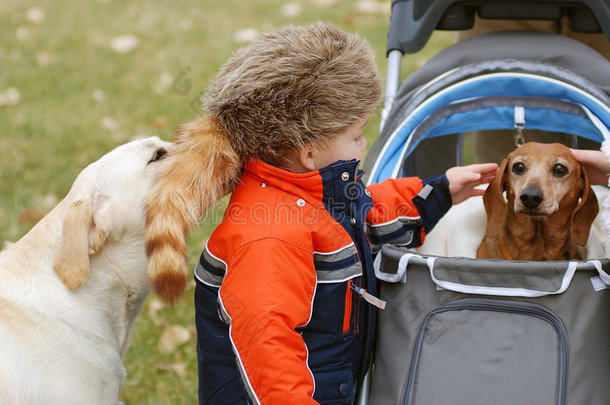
pixel 71 289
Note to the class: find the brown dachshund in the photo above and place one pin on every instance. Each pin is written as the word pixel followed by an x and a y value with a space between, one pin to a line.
pixel 548 209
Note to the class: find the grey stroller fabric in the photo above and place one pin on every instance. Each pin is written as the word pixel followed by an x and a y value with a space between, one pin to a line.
pixel 460 331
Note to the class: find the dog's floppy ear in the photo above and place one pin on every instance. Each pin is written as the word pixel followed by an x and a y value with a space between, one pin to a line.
pixel 202 169
pixel 71 261
pixel 585 212
pixel 80 237
pixel 495 205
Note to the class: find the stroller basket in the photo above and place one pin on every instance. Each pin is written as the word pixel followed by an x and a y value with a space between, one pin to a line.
pixel 471 331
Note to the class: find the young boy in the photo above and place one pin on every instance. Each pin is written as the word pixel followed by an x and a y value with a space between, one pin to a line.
pixel 285 295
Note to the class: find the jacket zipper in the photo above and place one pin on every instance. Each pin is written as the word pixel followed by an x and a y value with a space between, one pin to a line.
pixel 348 307
pixel 370 298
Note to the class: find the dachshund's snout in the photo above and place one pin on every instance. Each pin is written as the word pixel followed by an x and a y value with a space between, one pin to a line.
pixel 531 197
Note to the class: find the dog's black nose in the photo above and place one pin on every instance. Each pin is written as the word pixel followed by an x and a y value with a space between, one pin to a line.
pixel 531 197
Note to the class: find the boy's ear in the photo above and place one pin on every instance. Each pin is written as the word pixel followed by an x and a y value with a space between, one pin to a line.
pixel 306 157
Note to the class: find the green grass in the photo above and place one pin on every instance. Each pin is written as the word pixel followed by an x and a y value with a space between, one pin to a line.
pixel 78 99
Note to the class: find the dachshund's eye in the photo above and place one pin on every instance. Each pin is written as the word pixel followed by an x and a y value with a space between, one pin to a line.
pixel 559 170
pixel 518 168
pixel 159 154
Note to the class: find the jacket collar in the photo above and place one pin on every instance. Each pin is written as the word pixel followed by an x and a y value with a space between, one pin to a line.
pixel 325 184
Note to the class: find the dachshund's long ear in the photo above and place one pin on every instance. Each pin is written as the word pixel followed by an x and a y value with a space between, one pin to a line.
pixel 203 168
pixel 71 262
pixel 585 212
pixel 495 204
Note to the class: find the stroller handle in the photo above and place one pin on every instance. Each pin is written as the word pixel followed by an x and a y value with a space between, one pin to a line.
pixel 391 85
pixel 413 21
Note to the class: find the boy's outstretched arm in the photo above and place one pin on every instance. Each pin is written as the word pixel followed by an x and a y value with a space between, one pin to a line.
pixel 464 179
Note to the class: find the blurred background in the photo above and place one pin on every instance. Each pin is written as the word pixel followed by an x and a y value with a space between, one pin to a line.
pixel 78 78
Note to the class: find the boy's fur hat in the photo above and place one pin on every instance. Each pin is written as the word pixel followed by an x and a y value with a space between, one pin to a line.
pixel 296 86
pixel 300 85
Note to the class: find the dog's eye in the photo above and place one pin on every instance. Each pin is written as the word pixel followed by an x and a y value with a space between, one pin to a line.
pixel 518 168
pixel 559 170
pixel 159 154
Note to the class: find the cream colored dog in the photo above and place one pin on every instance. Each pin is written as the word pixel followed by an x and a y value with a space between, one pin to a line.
pixel 71 289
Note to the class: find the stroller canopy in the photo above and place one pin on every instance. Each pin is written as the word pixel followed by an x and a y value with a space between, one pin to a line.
pixel 525 88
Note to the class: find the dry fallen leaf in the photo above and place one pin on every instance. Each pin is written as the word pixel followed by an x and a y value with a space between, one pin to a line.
pixel 373 7
pixel 245 35
pixel 10 96
pixel 323 3
pixel 173 337
pixel 35 15
pixel 110 123
pixel 178 368
pixel 154 306
pixel 291 9
pixel 124 43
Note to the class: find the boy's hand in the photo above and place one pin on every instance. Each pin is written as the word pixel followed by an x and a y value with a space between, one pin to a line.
pixel 464 179
pixel 595 163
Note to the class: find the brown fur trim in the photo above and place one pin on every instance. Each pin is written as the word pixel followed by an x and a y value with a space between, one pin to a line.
pixel 203 168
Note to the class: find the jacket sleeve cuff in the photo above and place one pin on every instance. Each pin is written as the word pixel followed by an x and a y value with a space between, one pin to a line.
pixel 433 201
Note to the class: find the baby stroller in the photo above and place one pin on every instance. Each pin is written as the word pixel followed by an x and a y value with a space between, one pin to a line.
pixel 459 330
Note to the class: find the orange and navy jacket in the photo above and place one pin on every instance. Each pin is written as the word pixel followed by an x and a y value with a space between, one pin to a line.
pixel 280 312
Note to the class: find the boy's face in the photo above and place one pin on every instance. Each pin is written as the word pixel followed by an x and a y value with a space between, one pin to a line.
pixel 345 146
